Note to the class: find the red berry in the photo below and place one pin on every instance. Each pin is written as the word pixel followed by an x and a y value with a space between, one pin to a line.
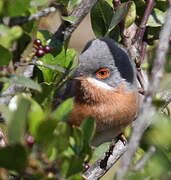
pixel 40 47
pixel 37 42
pixel 30 140
pixel 39 53
pixel 47 49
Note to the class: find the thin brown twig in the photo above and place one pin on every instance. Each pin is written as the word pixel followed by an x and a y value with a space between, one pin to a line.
pixel 143 121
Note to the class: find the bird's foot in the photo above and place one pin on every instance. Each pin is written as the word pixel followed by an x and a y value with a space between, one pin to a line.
pixel 86 166
pixel 122 138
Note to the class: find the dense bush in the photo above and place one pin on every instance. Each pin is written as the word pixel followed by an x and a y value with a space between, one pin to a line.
pixel 40 143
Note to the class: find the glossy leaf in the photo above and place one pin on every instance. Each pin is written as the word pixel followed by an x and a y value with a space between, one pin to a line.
pixel 156 19
pixel 5 56
pixel 101 15
pixel 119 15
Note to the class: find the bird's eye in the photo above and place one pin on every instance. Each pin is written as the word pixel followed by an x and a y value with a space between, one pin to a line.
pixel 103 73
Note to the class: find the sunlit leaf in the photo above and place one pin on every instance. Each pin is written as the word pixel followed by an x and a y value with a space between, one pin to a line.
pixel 156 18
pixel 61 113
pixel 88 128
pixel 17 123
pixel 23 81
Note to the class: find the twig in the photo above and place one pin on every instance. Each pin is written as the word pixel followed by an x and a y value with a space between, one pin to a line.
pixel 96 171
pixel 140 32
pixel 143 121
pixel 66 29
pixel 142 162
pixel 38 15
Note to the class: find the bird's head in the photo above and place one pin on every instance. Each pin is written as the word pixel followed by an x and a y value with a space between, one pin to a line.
pixel 106 65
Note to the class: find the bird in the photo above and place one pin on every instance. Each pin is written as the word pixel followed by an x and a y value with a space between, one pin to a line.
pixel 104 87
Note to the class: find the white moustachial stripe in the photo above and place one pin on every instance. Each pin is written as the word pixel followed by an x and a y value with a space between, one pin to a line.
pixel 99 84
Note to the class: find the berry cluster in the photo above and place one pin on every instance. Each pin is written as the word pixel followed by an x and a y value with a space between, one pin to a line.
pixel 40 49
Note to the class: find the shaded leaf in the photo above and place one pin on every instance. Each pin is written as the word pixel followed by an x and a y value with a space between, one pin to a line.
pixel 13 157
pixel 5 56
pixel 101 15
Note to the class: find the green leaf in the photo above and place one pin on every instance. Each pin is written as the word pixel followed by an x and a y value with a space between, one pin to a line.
pixel 88 127
pixel 9 35
pixel 45 132
pixel 36 3
pixel 5 56
pixel 156 19
pixel 101 15
pixel 73 3
pixel 13 157
pixel 131 14
pixel 35 117
pixel 17 123
pixel 62 112
pixel 17 7
pixel 1 5
pixel 62 134
pixel 76 165
pixel 70 19
pixel 119 15
pixel 23 81
pixel 100 151
pixel 110 2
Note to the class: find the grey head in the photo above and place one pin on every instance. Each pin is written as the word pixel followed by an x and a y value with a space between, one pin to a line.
pixel 106 53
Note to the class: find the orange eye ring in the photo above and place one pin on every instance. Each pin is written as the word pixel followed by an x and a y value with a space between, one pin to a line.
pixel 103 73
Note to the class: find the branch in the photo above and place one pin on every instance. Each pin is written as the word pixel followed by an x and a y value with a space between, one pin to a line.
pixel 142 162
pixel 66 29
pixel 97 170
pixel 143 121
pixel 21 20
pixel 141 30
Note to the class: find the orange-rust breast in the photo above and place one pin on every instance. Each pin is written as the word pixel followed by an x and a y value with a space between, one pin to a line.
pixel 110 108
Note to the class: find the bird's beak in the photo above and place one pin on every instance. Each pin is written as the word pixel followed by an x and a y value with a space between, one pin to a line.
pixel 80 78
